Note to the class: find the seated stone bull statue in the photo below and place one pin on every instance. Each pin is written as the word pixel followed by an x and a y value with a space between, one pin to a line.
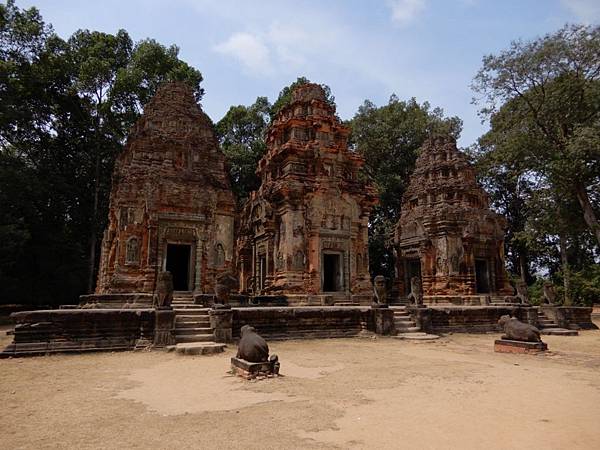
pixel 515 330
pixel 252 347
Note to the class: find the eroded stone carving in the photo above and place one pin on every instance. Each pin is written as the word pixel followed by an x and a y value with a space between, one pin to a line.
pixel 516 330
pixel 379 290
pixel 226 282
pixel 447 226
pixel 252 347
pixel 164 290
pixel 170 186
pixel 415 297
pixel 311 200
pixel 522 294
pixel 549 295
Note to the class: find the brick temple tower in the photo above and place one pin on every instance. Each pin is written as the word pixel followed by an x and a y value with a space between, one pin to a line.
pixel 447 234
pixel 171 206
pixel 304 232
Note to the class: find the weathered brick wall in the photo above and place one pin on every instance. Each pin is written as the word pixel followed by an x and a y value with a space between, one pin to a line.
pixel 54 331
pixel 472 319
pixel 281 323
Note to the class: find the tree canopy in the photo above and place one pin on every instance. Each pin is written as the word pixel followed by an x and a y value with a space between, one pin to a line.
pixel 389 137
pixel 541 157
pixel 65 109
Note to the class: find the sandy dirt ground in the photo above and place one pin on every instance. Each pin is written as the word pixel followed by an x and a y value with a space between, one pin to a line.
pixel 342 393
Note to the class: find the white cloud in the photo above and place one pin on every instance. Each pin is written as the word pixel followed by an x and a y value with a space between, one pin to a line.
pixel 249 49
pixel 586 10
pixel 404 11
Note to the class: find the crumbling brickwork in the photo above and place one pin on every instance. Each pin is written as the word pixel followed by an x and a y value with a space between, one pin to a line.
pixel 447 233
pixel 305 230
pixel 171 206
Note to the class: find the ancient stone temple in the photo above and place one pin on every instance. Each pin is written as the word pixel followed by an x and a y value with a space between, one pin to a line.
pixel 447 235
pixel 171 207
pixel 304 232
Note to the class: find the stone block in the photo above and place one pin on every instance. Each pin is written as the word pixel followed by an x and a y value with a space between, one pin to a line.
pixel 250 370
pixel 383 318
pixel 508 346
pixel 221 321
pixel 164 329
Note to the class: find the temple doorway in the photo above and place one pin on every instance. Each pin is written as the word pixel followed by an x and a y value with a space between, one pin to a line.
pixel 482 278
pixel 413 269
pixel 332 272
pixel 178 263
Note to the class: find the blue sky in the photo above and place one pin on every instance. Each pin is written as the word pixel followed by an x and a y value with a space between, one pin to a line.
pixel 427 49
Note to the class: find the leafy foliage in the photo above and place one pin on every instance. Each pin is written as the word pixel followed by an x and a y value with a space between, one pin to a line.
pixel 389 138
pixel 541 158
pixel 241 133
pixel 65 108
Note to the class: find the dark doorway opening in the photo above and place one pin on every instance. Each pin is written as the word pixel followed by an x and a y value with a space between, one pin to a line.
pixel 482 277
pixel 178 263
pixel 331 273
pixel 413 269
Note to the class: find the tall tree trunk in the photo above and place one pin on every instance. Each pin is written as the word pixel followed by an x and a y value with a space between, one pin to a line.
pixel 523 266
pixel 93 231
pixel 588 211
pixel 562 243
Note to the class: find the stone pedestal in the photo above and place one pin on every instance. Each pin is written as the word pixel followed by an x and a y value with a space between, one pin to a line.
pixel 383 318
pixel 422 317
pixel 221 321
pixel 164 327
pixel 529 315
pixel 250 370
pixel 508 346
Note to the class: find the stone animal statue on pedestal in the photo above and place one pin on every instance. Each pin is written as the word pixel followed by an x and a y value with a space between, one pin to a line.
pixel 416 292
pixel 164 290
pixel 253 348
pixel 522 294
pixel 379 290
pixel 515 330
pixel 548 296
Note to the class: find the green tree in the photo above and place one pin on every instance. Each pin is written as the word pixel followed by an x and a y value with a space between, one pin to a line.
pixel 241 133
pixel 389 138
pixel 65 108
pixel 113 80
pixel 549 89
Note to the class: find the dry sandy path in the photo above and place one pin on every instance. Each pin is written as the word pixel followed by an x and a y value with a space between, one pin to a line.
pixel 342 393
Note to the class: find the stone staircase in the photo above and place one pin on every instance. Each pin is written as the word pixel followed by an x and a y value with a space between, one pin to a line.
pixel 406 328
pixel 549 327
pixel 193 333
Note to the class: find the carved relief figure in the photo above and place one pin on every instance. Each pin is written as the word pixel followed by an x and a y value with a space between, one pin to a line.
pixel 132 253
pixel 219 255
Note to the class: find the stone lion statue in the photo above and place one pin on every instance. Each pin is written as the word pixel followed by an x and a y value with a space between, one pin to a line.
pixel 548 295
pixel 379 290
pixel 522 294
pixel 164 290
pixel 225 283
pixel 254 348
pixel 516 330
pixel 416 291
